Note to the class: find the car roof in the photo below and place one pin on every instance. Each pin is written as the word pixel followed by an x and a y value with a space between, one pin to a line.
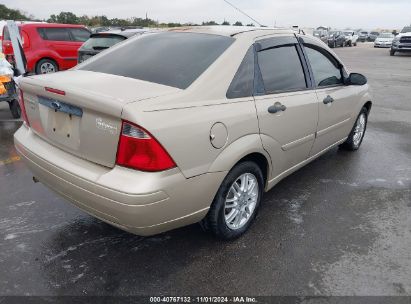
pixel 231 31
pixel 40 24
pixel 125 33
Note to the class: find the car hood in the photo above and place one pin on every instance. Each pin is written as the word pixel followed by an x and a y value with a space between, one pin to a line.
pixel 403 34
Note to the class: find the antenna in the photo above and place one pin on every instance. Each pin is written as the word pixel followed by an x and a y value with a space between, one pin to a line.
pixel 232 5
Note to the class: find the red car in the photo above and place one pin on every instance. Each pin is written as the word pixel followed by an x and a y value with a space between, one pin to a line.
pixel 48 47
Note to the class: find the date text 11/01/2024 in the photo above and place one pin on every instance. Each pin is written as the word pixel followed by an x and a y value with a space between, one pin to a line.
pixel 203 300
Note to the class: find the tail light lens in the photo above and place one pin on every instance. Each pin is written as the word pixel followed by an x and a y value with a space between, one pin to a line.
pixel 23 108
pixel 25 39
pixel 138 149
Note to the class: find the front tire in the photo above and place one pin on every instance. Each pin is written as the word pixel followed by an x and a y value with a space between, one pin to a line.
pixel 392 52
pixel 356 136
pixel 236 203
pixel 46 66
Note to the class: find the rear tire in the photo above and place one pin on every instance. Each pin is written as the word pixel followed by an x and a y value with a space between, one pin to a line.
pixel 236 203
pixel 356 136
pixel 46 66
pixel 15 109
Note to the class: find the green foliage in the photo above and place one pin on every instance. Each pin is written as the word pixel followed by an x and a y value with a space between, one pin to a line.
pixel 11 14
pixel 64 17
pixel 210 23
pixel 97 21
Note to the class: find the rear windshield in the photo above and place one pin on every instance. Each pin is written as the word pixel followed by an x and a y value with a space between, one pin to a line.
pixel 172 59
pixel 102 42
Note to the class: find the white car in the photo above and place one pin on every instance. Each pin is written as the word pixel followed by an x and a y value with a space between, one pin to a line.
pixel 384 40
pixel 351 38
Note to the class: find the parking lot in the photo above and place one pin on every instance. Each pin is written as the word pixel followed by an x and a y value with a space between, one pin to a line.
pixel 339 226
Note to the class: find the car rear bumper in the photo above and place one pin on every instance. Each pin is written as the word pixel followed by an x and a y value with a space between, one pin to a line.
pixel 139 202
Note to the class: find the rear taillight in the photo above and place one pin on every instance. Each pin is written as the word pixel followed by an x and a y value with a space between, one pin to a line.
pixel 25 40
pixel 138 149
pixel 23 108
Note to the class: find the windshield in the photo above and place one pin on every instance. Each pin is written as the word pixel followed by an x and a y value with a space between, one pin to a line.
pixel 101 42
pixel 333 33
pixel 375 33
pixel 406 29
pixel 170 58
pixel 348 33
pixel 386 35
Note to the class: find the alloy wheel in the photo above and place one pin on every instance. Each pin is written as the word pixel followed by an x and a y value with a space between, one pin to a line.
pixel 47 68
pixel 359 129
pixel 241 201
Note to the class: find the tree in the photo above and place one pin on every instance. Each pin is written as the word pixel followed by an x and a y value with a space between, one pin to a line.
pixel 64 17
pixel 238 23
pixel 250 24
pixel 210 23
pixel 11 14
pixel 225 23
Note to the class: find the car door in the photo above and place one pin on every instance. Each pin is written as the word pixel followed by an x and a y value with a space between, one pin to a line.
pixel 287 107
pixel 336 100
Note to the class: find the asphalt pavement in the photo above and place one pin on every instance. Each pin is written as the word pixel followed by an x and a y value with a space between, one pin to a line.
pixel 339 226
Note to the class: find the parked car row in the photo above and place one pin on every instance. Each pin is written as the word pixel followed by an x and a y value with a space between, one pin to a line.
pixel 368 36
pixel 337 38
pixel 396 43
pixel 47 47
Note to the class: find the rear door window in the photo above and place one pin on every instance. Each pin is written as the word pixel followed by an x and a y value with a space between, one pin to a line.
pixel 174 59
pixel 281 69
pixel 54 33
pixel 243 82
pixel 101 42
pixel 79 34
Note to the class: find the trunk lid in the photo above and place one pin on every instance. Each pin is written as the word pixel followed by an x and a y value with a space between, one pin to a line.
pixel 86 119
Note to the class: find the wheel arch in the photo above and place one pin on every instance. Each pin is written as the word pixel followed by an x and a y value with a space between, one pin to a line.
pixel 261 162
pixel 247 148
pixel 368 106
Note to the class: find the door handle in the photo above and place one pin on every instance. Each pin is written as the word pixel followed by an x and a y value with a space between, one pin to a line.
pixel 328 100
pixel 277 107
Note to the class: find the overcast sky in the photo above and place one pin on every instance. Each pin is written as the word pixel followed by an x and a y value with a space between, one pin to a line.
pixel 368 14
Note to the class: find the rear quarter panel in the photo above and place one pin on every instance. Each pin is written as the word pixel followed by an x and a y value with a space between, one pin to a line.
pixel 185 133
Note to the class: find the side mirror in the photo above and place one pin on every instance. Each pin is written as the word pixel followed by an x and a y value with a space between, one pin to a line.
pixel 357 79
